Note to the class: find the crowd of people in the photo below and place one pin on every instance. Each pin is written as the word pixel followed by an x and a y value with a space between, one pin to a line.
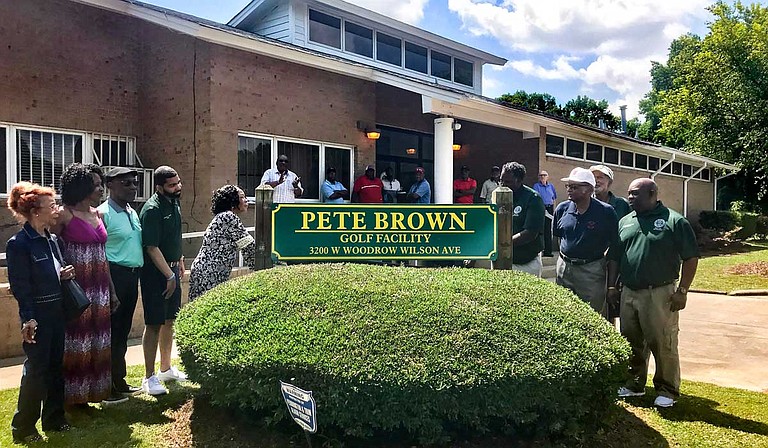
pixel 634 259
pixel 111 251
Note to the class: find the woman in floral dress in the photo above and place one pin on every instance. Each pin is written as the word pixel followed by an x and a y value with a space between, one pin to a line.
pixel 87 355
pixel 224 238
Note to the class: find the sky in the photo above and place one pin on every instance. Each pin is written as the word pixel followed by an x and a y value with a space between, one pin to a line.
pixel 599 48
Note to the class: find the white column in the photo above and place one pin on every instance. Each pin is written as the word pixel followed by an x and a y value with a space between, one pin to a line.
pixel 442 188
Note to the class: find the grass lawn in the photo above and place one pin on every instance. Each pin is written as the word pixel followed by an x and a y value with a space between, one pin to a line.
pixel 712 275
pixel 706 416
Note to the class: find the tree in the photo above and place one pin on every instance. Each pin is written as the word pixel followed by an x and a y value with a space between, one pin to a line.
pixel 718 98
pixel 584 109
pixel 543 102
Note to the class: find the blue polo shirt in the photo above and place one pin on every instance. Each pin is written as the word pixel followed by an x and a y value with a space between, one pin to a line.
pixel 586 236
pixel 329 188
pixel 423 190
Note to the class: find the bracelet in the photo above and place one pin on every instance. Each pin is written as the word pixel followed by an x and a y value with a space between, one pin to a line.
pixel 612 287
pixel 171 277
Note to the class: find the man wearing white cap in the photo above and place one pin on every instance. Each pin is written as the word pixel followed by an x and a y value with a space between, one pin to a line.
pixel 587 228
pixel 603 180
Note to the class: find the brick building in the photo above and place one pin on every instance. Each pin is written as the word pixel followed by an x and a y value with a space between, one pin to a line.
pixel 118 82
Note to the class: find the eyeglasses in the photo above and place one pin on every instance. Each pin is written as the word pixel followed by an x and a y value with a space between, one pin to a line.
pixel 543 175
pixel 128 182
pixel 574 186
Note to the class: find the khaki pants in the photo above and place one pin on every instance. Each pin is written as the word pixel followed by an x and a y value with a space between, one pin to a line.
pixel 587 281
pixel 648 324
pixel 532 267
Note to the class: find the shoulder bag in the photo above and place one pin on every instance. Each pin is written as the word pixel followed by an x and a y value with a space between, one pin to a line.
pixel 72 294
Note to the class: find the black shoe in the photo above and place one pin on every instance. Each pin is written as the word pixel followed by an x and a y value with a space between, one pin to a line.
pixel 25 438
pixel 114 399
pixel 126 390
pixel 61 427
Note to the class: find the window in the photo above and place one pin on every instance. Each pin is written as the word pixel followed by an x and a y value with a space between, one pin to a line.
pixel 308 160
pixel 611 156
pixel 41 156
pixel 462 72
pixel 358 39
pixel 653 163
pixel 389 49
pixel 111 150
pixel 555 145
pixel 339 159
pixel 677 168
pixel 3 160
pixel 415 57
pixel 641 161
pixel 594 152
pixel 324 29
pixel 627 159
pixel 441 65
pixel 705 174
pixel 304 160
pixel 687 171
pixel 575 149
pixel 668 168
pixel 253 158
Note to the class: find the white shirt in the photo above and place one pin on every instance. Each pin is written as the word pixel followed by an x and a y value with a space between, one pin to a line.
pixel 391 185
pixel 283 193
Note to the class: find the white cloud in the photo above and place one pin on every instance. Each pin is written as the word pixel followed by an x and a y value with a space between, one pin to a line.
pixel 614 39
pixel 408 11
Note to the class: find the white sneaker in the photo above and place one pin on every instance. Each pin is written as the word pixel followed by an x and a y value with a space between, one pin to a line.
pixel 152 386
pixel 625 392
pixel 172 374
pixel 664 402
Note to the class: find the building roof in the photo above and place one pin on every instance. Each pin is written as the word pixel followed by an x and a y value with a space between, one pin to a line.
pixel 437 98
pixel 257 7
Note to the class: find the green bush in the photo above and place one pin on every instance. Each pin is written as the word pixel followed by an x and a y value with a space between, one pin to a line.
pixel 762 225
pixel 427 351
pixel 748 223
pixel 718 220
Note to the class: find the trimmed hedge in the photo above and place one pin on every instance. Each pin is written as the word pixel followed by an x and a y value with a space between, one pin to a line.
pixel 428 351
pixel 718 220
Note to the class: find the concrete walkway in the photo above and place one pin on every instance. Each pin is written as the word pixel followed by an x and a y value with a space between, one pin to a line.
pixel 723 340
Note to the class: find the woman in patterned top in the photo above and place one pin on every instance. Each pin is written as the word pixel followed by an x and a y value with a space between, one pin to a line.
pixel 223 239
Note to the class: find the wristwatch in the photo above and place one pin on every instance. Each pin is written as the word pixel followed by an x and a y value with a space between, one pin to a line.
pixel 682 290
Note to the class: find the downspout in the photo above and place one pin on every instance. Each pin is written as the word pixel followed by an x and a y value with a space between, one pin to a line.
pixel 714 195
pixel 661 168
pixel 685 188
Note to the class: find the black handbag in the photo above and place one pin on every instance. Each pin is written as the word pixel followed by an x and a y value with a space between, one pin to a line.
pixel 72 294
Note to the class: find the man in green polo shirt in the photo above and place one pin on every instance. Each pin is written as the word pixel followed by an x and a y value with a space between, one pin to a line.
pixel 126 257
pixel 160 278
pixel 654 243
pixel 527 220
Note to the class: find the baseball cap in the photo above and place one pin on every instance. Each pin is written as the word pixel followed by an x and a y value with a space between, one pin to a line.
pixel 603 169
pixel 119 171
pixel 419 170
pixel 495 168
pixel 464 167
pixel 331 169
pixel 580 175
pixel 370 167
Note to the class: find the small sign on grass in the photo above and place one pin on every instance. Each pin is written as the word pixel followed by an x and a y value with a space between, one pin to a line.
pixel 301 406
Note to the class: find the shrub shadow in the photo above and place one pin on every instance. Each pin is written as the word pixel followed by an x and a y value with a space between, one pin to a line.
pixel 697 409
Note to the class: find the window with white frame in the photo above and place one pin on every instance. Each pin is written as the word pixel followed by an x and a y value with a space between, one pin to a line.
pixel 309 160
pixel 40 155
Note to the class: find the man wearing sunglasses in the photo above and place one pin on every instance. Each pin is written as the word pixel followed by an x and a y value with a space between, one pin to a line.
pixel 125 256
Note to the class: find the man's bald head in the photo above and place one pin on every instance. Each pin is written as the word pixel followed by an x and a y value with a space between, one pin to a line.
pixel 642 194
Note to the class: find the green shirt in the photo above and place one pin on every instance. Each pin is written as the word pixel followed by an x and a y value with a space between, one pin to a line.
pixel 619 204
pixel 528 214
pixel 161 227
pixel 652 246
pixel 123 234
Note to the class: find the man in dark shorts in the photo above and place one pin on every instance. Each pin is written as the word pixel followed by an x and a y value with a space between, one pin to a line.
pixel 160 278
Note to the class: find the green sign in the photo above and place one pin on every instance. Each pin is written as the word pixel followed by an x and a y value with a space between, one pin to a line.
pixel 330 232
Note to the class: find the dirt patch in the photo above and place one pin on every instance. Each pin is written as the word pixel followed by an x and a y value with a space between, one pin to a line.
pixel 754 268
pixel 180 433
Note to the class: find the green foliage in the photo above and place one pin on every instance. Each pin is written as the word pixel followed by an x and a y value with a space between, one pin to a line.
pixel 425 351
pixel 718 220
pixel 711 96
pixel 584 109
pixel 542 102
pixel 748 223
